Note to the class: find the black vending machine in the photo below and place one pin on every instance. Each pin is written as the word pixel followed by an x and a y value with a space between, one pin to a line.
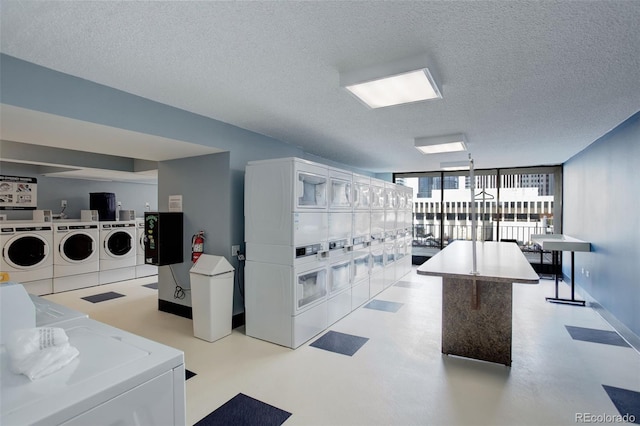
pixel 163 235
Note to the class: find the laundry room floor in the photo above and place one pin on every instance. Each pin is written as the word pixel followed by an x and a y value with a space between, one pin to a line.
pixel 382 364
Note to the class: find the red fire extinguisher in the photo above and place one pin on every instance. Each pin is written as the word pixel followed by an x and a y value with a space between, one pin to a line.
pixel 197 246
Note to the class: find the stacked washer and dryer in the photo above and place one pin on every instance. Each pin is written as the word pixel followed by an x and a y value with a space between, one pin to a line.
pixel 286 229
pixel 320 242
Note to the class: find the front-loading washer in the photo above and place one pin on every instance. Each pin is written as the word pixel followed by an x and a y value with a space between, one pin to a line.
pixel 142 269
pixel 27 254
pixel 76 260
pixel 117 251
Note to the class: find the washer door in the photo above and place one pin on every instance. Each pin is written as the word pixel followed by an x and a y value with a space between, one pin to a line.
pixel 118 243
pixel 77 247
pixel 26 251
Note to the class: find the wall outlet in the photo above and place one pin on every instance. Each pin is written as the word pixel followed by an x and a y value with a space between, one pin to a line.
pixel 63 203
pixel 119 203
pixel 235 250
pixel 582 271
pixel 587 274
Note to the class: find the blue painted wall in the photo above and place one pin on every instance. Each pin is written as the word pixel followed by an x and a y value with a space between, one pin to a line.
pixel 52 190
pixel 27 85
pixel 602 205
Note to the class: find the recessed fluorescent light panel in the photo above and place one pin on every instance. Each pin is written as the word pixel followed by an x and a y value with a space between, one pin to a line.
pixel 454 165
pixel 391 84
pixel 441 144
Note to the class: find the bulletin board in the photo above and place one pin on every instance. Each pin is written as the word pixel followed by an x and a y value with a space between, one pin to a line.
pixel 18 193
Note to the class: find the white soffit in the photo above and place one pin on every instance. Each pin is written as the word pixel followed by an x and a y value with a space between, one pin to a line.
pixel 38 128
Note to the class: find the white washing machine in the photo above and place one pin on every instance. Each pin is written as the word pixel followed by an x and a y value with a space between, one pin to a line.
pixel 118 241
pixel 142 269
pixel 50 314
pixel 76 257
pixel 118 378
pixel 27 254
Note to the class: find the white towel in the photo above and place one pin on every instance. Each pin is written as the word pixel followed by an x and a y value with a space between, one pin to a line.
pixel 38 352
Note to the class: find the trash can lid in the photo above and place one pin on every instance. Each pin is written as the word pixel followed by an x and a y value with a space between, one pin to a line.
pixel 210 265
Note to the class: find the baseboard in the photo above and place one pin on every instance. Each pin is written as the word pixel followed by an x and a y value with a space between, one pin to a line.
pixel 186 312
pixel 624 331
pixel 175 309
pixel 237 320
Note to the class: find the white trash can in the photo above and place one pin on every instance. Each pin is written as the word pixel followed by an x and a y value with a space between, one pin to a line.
pixel 211 280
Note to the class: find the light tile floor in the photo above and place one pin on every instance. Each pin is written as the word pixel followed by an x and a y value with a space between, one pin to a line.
pixel 399 376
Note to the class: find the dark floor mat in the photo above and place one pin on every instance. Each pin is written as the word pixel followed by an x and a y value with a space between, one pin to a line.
pixel 152 286
pixel 244 410
pixel 102 297
pixel 408 284
pixel 188 374
pixel 383 305
pixel 596 336
pixel 345 344
pixel 626 401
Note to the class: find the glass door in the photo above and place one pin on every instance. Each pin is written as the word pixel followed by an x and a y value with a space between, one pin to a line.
pixel 339 276
pixel 340 194
pixel 310 287
pixel 311 190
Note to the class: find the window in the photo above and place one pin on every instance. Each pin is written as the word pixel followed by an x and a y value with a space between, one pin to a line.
pixel 511 205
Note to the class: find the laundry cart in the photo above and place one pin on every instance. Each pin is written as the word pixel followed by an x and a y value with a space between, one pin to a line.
pixel 211 297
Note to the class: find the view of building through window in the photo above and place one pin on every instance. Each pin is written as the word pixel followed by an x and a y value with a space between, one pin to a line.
pixel 510 206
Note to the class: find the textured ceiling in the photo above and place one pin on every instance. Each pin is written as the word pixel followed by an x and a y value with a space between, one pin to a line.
pixel 529 83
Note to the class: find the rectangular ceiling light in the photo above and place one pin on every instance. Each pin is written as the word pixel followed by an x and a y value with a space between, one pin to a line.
pixel 454 165
pixel 413 86
pixel 391 84
pixel 440 144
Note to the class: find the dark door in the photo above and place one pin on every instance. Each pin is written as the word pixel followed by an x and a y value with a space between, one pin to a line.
pixel 119 243
pixel 26 251
pixel 77 247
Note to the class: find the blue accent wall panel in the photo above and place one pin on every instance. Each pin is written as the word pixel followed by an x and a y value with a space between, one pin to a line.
pixel 601 205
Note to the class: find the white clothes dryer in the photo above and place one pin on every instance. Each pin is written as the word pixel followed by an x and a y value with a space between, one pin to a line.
pixel 76 260
pixel 117 251
pixel 27 254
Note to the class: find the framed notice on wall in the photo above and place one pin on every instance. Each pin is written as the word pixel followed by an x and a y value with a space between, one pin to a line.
pixel 18 193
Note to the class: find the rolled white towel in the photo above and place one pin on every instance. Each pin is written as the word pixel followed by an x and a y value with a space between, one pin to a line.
pixel 23 342
pixel 38 352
